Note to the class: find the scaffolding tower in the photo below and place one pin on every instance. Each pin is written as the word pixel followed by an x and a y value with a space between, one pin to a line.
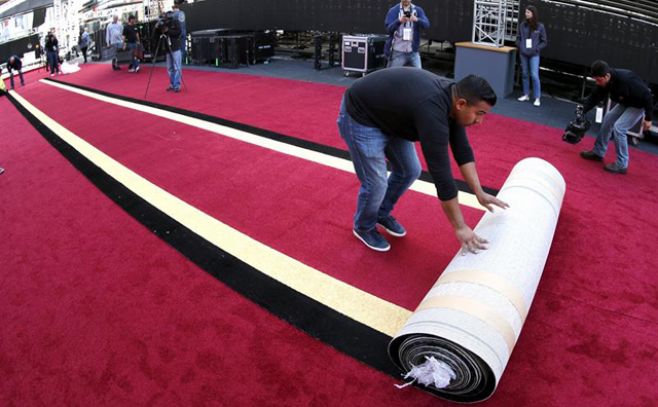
pixel 495 21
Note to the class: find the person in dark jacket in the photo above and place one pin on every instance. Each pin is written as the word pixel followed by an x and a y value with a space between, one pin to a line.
pixel 403 24
pixel 530 40
pixel 52 53
pixel 15 64
pixel 634 100
pixel 378 122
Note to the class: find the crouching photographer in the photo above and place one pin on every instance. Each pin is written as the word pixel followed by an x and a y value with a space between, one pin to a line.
pixel 170 42
pixel 633 100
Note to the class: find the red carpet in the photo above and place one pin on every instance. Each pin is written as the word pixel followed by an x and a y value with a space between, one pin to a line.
pixel 101 311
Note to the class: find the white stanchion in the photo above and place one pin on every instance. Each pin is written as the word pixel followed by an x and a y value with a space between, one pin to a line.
pixel 468 323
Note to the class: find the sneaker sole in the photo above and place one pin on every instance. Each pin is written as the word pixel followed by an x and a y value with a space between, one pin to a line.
pixel 377 249
pixel 392 233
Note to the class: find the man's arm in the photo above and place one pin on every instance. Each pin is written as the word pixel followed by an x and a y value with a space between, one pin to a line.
pixel 421 19
pixel 597 95
pixel 648 110
pixel 470 175
pixel 392 21
pixel 470 242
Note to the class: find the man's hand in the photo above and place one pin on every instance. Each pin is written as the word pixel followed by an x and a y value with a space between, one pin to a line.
pixel 646 125
pixel 488 200
pixel 404 19
pixel 470 242
pixel 414 18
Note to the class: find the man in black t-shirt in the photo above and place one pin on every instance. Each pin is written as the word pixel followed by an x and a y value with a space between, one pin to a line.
pixel 382 115
pixel 131 42
pixel 634 100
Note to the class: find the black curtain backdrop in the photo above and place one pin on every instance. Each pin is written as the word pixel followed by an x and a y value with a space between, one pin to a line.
pixel 450 20
pixel 577 35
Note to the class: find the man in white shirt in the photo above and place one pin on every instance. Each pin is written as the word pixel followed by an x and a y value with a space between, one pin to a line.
pixel 114 38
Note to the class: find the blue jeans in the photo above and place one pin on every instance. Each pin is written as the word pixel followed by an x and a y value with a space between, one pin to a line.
pixel 530 64
pixel 174 68
pixel 53 61
pixel 11 78
pixel 134 63
pixel 117 48
pixel 370 148
pixel 617 122
pixel 404 58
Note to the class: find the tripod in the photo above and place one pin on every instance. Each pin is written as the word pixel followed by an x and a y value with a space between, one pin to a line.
pixel 177 67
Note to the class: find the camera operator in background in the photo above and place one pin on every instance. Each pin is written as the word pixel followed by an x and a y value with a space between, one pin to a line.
pixel 15 64
pixel 131 38
pixel 633 98
pixel 114 39
pixel 179 15
pixel 403 23
pixel 170 40
pixel 52 53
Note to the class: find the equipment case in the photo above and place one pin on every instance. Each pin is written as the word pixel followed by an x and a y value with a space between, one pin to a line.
pixel 363 53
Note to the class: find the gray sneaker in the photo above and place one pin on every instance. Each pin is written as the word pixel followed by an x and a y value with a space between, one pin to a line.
pixel 373 240
pixel 392 226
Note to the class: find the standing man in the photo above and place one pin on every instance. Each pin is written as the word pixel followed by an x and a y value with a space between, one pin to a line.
pixel 180 16
pixel 378 122
pixel 15 64
pixel 84 43
pixel 52 52
pixel 114 39
pixel 131 38
pixel 633 98
pixel 403 23
pixel 171 29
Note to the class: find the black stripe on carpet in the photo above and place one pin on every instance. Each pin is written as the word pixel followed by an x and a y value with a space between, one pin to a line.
pixel 294 141
pixel 348 336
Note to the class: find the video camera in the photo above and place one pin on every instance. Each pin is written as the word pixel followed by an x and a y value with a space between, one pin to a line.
pixel 164 19
pixel 407 13
pixel 577 128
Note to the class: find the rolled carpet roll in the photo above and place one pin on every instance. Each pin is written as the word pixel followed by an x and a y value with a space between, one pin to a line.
pixel 459 339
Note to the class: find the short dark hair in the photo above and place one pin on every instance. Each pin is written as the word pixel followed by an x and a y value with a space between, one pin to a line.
pixel 131 17
pixel 475 89
pixel 599 68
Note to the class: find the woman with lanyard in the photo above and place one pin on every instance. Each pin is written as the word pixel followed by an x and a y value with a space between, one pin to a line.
pixel 531 40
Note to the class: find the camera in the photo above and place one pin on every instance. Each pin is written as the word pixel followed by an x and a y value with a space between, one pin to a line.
pixel 164 19
pixel 407 14
pixel 577 128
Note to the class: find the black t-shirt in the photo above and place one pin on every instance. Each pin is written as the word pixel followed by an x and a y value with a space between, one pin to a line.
pixel 130 32
pixel 415 105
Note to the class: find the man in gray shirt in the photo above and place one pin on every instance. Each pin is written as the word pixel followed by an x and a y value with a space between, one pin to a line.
pixel 114 38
